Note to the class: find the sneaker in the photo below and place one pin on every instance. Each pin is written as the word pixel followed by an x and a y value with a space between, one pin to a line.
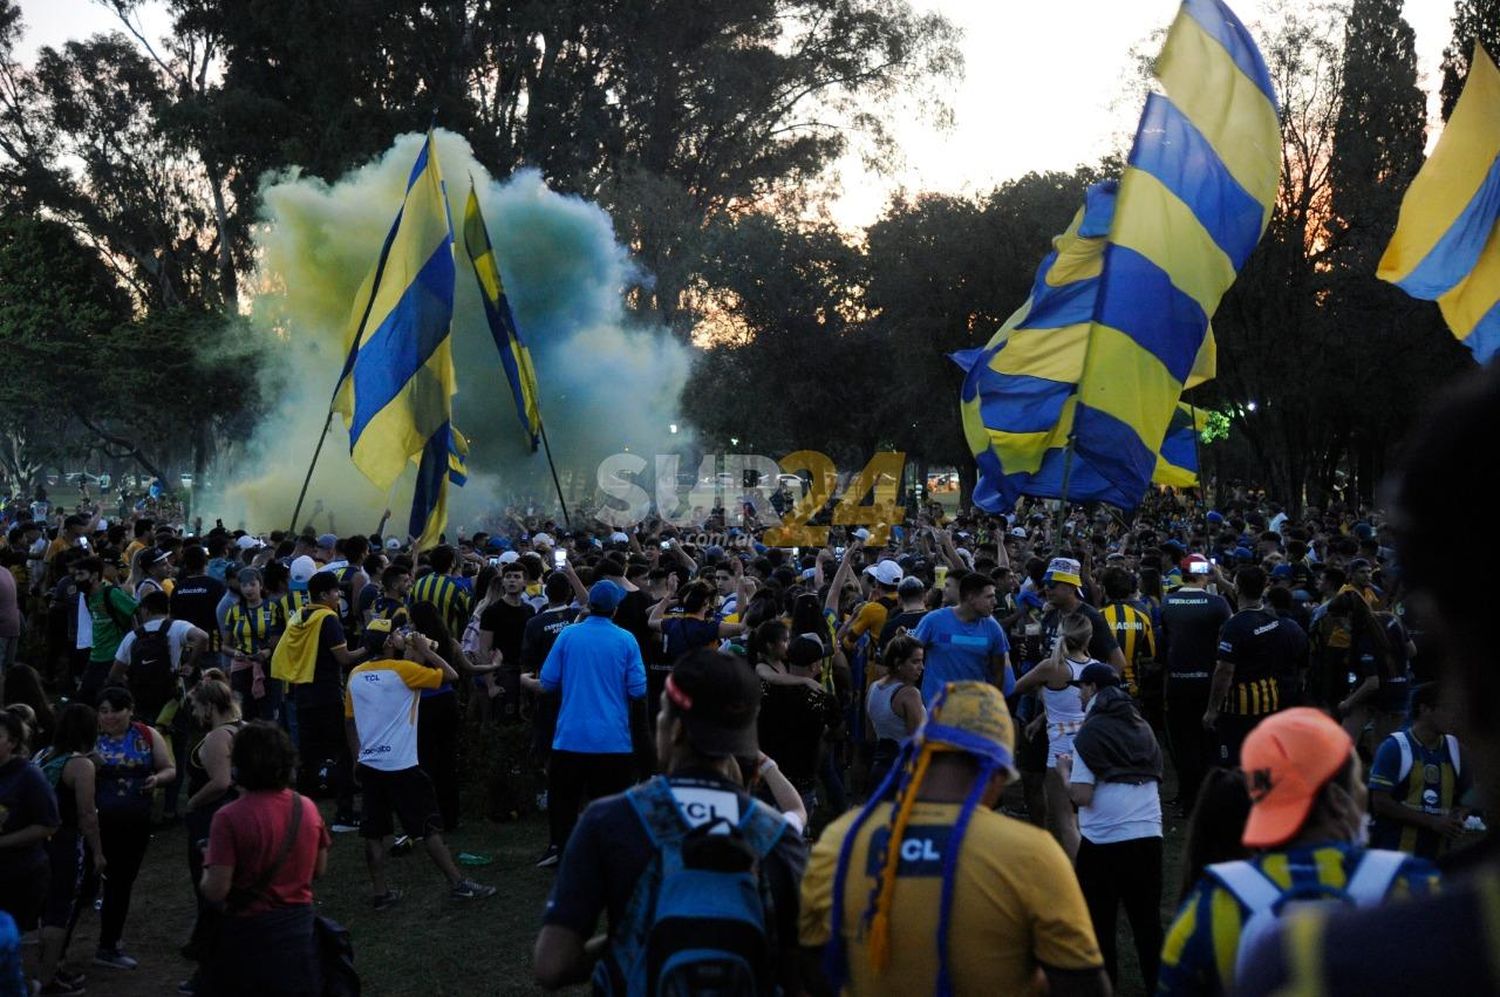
pixel 61 987
pixel 386 900
pixel 467 889
pixel 114 958
pixel 550 857
pixel 344 824
pixel 401 846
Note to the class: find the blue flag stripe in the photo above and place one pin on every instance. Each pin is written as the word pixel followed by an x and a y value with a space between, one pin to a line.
pixel 1221 24
pixel 401 355
pixel 1138 298
pixel 1068 304
pixel 1455 254
pixel 1116 451
pixel 1187 165
pixel 1019 403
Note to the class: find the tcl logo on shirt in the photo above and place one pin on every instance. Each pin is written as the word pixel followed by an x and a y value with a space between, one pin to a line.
pixel 701 805
pixel 921 852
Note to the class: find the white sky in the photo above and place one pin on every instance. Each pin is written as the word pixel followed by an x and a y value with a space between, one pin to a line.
pixel 1013 112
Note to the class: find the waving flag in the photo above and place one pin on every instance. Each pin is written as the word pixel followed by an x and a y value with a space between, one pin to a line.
pixel 514 356
pixel 1195 197
pixel 1445 247
pixel 1020 390
pixel 397 386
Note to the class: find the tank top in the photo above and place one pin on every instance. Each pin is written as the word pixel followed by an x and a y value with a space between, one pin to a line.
pixel 888 726
pixel 1065 706
pixel 197 774
pixel 125 764
pixel 67 802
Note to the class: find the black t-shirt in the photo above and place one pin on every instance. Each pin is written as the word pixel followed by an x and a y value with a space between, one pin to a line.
pixel 1190 623
pixel 681 634
pixel 327 686
pixel 908 619
pixel 1102 643
pixel 631 615
pixel 1262 645
pixel 541 633
pixel 508 625
pixel 791 725
pixel 27 799
pixel 610 849
pixel 196 599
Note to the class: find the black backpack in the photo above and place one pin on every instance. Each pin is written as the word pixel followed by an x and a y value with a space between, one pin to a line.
pixel 152 678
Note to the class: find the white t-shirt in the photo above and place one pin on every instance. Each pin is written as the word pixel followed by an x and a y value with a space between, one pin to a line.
pixel 176 637
pixel 382 698
pixel 1120 811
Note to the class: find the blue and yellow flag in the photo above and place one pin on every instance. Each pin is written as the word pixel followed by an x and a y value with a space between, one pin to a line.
pixel 1196 195
pixel 1020 389
pixel 443 460
pixel 397 386
pixel 514 355
pixel 1445 247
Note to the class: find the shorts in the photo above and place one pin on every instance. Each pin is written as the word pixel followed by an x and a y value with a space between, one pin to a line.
pixel 23 896
pixel 1058 743
pixel 407 794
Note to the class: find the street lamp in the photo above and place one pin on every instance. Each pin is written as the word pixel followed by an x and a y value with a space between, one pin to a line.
pixel 672 429
pixel 734 441
pixel 1250 406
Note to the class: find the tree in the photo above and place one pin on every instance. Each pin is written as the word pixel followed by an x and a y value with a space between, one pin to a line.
pixel 1473 21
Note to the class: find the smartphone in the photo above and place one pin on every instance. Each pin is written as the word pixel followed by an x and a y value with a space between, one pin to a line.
pixel 559 558
pixel 1198 568
pixel 666 545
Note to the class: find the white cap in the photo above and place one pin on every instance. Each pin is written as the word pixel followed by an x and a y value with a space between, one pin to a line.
pixel 247 542
pixel 618 538
pixel 509 557
pixel 887 572
pixel 391 543
pixel 862 533
pixel 103 523
pixel 1018 532
pixel 303 568
pixel 542 539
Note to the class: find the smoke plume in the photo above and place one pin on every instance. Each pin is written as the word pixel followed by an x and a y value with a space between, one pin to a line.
pixel 606 382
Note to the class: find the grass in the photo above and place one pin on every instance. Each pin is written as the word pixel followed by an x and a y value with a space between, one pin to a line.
pixel 429 945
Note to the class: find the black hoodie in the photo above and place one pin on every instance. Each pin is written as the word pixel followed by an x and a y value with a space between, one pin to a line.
pixel 1115 741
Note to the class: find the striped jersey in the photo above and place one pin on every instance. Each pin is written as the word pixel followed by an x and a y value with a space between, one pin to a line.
pixel 1424 780
pixel 451 600
pixel 251 629
pixel 1135 635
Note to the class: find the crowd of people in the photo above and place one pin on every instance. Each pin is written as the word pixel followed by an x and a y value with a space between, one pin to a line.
pixel 927 758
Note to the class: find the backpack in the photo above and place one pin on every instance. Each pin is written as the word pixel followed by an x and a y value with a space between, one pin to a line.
pixel 701 919
pixel 1267 903
pixel 152 678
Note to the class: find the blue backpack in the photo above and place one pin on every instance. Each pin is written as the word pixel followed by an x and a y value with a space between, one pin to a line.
pixel 701 920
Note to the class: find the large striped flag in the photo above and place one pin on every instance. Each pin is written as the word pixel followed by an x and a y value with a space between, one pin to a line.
pixel 1445 247
pixel 1020 389
pixel 1196 195
pixel 396 389
pixel 514 356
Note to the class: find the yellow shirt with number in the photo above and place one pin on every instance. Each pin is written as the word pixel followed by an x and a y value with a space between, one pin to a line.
pixel 1016 904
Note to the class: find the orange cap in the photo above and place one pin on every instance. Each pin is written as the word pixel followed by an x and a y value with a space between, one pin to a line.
pixel 1288 758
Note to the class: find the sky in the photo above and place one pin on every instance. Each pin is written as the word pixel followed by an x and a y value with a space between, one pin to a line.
pixel 1013 110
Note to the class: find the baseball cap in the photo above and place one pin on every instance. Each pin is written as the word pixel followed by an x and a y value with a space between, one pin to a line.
pixel 247 542
pixel 605 596
pixel 328 540
pixel 1215 516
pixel 804 649
pixel 862 533
pixel 542 540
pixel 509 557
pixel 886 572
pixel 391 543
pixel 618 538
pixel 1019 532
pixel 1244 554
pixel 1282 571
pixel 1098 674
pixel 1358 563
pixel 1065 570
pixel 1288 758
pixel 376 632
pixel 302 570
pixel 718 699
pixel 971 717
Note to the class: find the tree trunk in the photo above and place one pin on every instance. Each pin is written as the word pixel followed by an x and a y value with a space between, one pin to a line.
pixel 127 450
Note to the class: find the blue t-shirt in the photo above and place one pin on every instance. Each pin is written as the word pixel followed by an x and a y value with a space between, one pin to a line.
pixel 959 651
pixel 598 667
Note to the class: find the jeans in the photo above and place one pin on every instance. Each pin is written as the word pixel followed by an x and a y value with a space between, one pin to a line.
pixel 574 777
pixel 1129 873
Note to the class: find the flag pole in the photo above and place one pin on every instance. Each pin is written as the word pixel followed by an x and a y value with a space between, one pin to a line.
pixel 547 448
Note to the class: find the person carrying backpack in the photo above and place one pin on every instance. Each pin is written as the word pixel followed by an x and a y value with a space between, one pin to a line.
pixel 152 656
pixel 1307 813
pixel 699 880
